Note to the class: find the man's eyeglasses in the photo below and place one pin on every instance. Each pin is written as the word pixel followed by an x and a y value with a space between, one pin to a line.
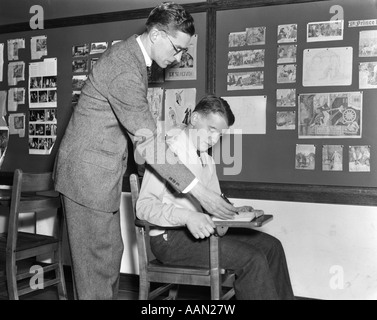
pixel 177 51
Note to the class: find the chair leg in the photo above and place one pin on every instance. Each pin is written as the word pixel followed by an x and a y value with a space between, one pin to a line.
pixel 173 293
pixel 144 288
pixel 62 289
pixel 11 272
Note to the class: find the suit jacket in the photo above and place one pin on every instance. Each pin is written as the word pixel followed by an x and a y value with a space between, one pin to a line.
pixel 92 156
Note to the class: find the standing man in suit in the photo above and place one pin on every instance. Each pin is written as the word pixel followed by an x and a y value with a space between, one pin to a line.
pixel 92 157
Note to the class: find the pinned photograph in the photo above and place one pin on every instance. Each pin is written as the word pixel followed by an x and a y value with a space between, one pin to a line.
pixel 14 45
pixel 305 157
pixel 368 44
pixel 286 73
pixel 330 115
pixel 332 158
pixel 286 97
pixel 256 36
pixel 155 101
pixel 78 82
pixel 98 47
pixel 325 31
pixel 246 59
pixel 285 120
pixel 245 81
pixel 79 66
pixel 38 47
pixel 359 158
pixel 287 54
pixel 237 39
pixel 80 51
pixel 368 75
pixel 287 33
pixel 327 67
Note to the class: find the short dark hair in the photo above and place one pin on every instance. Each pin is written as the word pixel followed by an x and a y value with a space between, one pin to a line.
pixel 171 17
pixel 213 104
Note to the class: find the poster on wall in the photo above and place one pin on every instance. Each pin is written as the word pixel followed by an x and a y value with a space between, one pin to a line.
pixel 42 106
pixel 16 96
pixel 179 104
pixel 286 97
pixel 359 158
pixel 287 33
pixel 330 115
pixel 246 59
pixel 285 120
pixel 368 75
pixel 237 39
pixel 250 114
pixel 253 80
pixel 4 138
pixel 332 158
pixel 256 36
pixel 185 69
pixel 305 157
pixel 17 124
pixel 368 44
pixel 14 45
pixel 16 72
pixel 325 31
pixel 327 67
pixel 38 47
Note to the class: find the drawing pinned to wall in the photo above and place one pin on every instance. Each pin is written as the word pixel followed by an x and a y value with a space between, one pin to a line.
pixel 287 54
pixel 14 45
pixel 16 72
pixel 186 68
pixel 256 36
pixel 332 158
pixel 330 115
pixel 368 75
pixel 368 44
pixel 1 61
pixel 287 33
pixel 17 124
pixel 155 98
pixel 38 47
pixel 98 47
pixel 286 97
pixel 250 114
pixel 80 51
pixel 359 158
pixel 327 67
pixel 285 120
pixel 245 80
pixel 246 59
pixel 237 39
pixel 325 31
pixel 78 82
pixel 16 96
pixel 80 66
pixel 305 157
pixel 179 104
pixel 286 73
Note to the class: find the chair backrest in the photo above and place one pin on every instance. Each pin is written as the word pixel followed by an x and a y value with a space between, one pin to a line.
pixel 28 191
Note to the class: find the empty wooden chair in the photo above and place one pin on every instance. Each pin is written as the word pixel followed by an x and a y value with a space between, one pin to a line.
pixel 32 192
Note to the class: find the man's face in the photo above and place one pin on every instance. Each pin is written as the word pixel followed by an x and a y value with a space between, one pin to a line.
pixel 167 48
pixel 207 129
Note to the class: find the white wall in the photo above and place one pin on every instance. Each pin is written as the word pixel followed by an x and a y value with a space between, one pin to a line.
pixel 331 249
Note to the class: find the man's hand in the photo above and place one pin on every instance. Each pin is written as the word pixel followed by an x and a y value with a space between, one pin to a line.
pixel 200 224
pixel 213 203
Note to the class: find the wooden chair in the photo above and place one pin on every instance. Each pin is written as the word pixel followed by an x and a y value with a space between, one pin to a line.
pixel 32 192
pixel 150 270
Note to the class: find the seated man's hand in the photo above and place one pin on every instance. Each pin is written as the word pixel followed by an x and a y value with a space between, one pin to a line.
pixel 200 224
pixel 245 209
pixel 213 203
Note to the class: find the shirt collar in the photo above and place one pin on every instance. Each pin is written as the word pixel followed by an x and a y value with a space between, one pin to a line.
pixel 147 58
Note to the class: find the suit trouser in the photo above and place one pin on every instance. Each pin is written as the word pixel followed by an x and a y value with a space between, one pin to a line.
pixel 257 258
pixel 96 246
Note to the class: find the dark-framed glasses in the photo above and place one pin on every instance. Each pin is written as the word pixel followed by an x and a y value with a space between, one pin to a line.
pixel 177 51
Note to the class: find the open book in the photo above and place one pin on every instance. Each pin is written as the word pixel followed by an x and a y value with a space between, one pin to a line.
pixel 244 216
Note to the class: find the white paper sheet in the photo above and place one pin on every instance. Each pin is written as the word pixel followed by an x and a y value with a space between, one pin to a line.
pixel 38 47
pixel 17 124
pixel 249 112
pixel 328 67
pixel 1 61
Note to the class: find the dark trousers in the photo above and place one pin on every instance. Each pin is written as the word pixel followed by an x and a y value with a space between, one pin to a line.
pixel 96 246
pixel 257 258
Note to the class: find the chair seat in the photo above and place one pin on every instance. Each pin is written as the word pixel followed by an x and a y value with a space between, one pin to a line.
pixel 27 240
pixel 157 266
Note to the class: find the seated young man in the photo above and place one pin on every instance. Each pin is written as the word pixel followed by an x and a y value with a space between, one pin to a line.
pixel 257 258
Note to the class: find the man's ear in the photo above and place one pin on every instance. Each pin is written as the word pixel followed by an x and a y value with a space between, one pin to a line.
pixel 194 118
pixel 153 34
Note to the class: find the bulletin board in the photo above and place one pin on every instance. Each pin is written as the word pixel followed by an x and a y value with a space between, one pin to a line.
pixel 274 156
pixel 60 43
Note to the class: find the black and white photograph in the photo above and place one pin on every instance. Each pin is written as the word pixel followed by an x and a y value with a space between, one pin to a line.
pixel 286 73
pixel 332 158
pixel 285 120
pixel 237 39
pixel 305 156
pixel 78 82
pixel 368 75
pixel 98 47
pixel 256 36
pixel 80 51
pixel 287 33
pixel 287 54
pixel 325 31
pixel 253 80
pixel 359 158
pixel 286 97
pixel 246 59
pixel 368 44
pixel 80 66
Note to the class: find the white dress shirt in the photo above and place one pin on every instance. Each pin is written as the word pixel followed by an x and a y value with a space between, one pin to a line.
pixel 160 204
